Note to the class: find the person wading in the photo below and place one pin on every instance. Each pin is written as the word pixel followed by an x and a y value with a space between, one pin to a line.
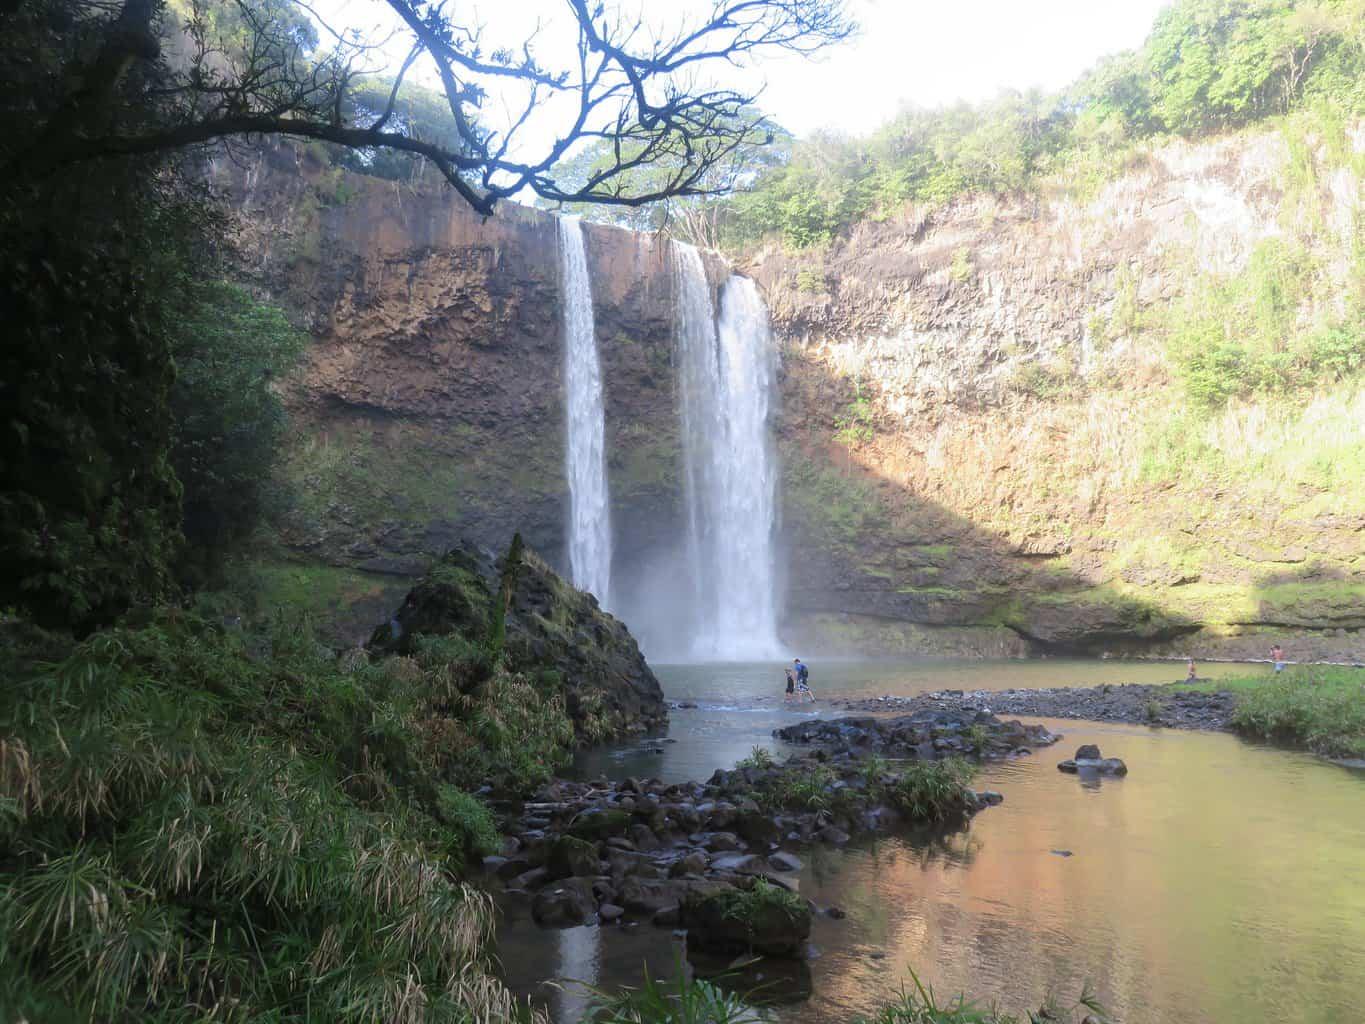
pixel 791 686
pixel 802 681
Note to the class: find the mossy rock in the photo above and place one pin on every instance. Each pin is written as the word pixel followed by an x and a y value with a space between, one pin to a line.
pixel 570 857
pixel 762 919
pixel 600 825
pixel 554 634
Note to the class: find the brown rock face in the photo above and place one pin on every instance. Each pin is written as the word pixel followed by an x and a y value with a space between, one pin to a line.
pixel 989 497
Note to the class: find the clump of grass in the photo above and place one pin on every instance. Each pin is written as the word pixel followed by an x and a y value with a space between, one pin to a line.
pixel 759 757
pixel 197 824
pixel 918 1005
pixel 1315 706
pixel 683 1000
pixel 810 789
pixel 1152 709
pixel 977 738
pixel 758 899
pixel 932 791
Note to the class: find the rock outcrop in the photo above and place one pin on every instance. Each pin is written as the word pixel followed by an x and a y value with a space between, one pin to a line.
pixel 553 631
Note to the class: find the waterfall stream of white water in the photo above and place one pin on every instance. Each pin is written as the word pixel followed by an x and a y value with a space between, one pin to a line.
pixel 585 449
pixel 727 369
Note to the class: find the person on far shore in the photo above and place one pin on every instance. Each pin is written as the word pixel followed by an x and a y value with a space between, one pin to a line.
pixel 1191 675
pixel 791 687
pixel 1277 657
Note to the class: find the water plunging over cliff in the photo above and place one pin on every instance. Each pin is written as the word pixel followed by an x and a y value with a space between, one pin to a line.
pixel 585 448
pixel 728 380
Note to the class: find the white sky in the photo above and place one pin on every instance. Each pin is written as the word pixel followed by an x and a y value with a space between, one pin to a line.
pixel 912 52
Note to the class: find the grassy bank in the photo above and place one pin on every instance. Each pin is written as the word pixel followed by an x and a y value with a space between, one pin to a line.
pixel 1321 707
pixel 199 823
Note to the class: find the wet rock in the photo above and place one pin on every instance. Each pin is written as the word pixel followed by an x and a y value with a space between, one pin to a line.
pixel 1089 761
pixel 564 904
pixel 774 927
pixel 694 863
pixel 644 838
pixel 530 880
pixel 597 824
pixel 511 868
pixel 757 827
pixel 649 896
pixel 610 911
pixel 724 842
pixel 784 862
pixel 740 863
pixel 570 856
pixel 834 835
pixel 990 797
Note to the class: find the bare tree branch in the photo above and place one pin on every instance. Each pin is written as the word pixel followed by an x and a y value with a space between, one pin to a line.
pixel 616 83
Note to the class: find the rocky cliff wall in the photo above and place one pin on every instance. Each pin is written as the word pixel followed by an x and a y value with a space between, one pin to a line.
pixel 973 400
pixel 984 426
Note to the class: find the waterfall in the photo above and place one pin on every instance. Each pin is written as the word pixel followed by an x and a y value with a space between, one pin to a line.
pixel 728 378
pixel 585 448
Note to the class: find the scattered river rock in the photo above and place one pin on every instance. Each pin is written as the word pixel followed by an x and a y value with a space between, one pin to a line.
pixel 1136 703
pixel 584 852
pixel 929 732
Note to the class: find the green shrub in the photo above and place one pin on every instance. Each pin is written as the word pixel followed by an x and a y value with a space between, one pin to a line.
pixel 469 818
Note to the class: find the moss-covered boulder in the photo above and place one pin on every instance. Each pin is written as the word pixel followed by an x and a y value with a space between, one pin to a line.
pixel 759 917
pixel 552 632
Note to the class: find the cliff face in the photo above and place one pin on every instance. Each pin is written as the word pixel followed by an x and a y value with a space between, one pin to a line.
pixel 985 425
pixel 973 402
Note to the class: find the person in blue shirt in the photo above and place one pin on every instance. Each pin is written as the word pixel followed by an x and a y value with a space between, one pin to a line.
pixel 802 680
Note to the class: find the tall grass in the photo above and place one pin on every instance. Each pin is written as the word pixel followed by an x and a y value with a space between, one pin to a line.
pixel 1316 706
pixel 199 825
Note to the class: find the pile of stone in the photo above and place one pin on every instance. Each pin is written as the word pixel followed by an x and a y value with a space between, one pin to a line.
pixel 928 733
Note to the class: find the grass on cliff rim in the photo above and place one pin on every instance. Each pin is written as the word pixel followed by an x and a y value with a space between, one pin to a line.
pixel 200 824
pixel 1320 707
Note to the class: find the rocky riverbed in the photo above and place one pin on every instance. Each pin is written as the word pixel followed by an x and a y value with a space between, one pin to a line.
pixel 640 850
pixel 1132 702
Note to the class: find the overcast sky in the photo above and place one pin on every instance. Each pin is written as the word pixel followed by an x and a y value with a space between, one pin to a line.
pixel 906 51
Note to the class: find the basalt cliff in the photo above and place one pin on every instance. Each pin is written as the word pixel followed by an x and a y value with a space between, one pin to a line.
pixel 979 430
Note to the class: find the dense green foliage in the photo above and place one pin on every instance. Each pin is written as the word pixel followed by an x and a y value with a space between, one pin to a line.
pixel 229 350
pixel 111 278
pixel 1208 65
pixel 200 823
pixel 1320 707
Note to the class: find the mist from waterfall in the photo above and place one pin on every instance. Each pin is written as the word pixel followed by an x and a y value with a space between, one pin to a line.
pixel 727 372
pixel 585 449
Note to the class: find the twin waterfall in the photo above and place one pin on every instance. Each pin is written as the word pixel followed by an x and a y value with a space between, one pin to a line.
pixel 586 449
pixel 727 378
pixel 727 382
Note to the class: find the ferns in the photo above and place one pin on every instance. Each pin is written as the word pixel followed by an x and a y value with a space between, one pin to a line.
pixel 188 831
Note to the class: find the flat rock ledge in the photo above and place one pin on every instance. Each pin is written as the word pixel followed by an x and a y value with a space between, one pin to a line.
pixel 1133 703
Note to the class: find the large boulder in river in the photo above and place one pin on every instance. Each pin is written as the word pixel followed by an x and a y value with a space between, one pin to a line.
pixel 760 918
pixel 555 633
pixel 1088 760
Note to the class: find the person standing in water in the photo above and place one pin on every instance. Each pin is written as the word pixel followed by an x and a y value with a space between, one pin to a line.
pixel 791 687
pixel 802 680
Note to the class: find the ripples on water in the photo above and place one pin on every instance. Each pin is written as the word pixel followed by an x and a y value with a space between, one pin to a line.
pixel 1220 881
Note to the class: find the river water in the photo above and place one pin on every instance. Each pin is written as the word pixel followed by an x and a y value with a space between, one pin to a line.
pixel 1220 881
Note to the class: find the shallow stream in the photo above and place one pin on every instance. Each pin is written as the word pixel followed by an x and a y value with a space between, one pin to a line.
pixel 1220 881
